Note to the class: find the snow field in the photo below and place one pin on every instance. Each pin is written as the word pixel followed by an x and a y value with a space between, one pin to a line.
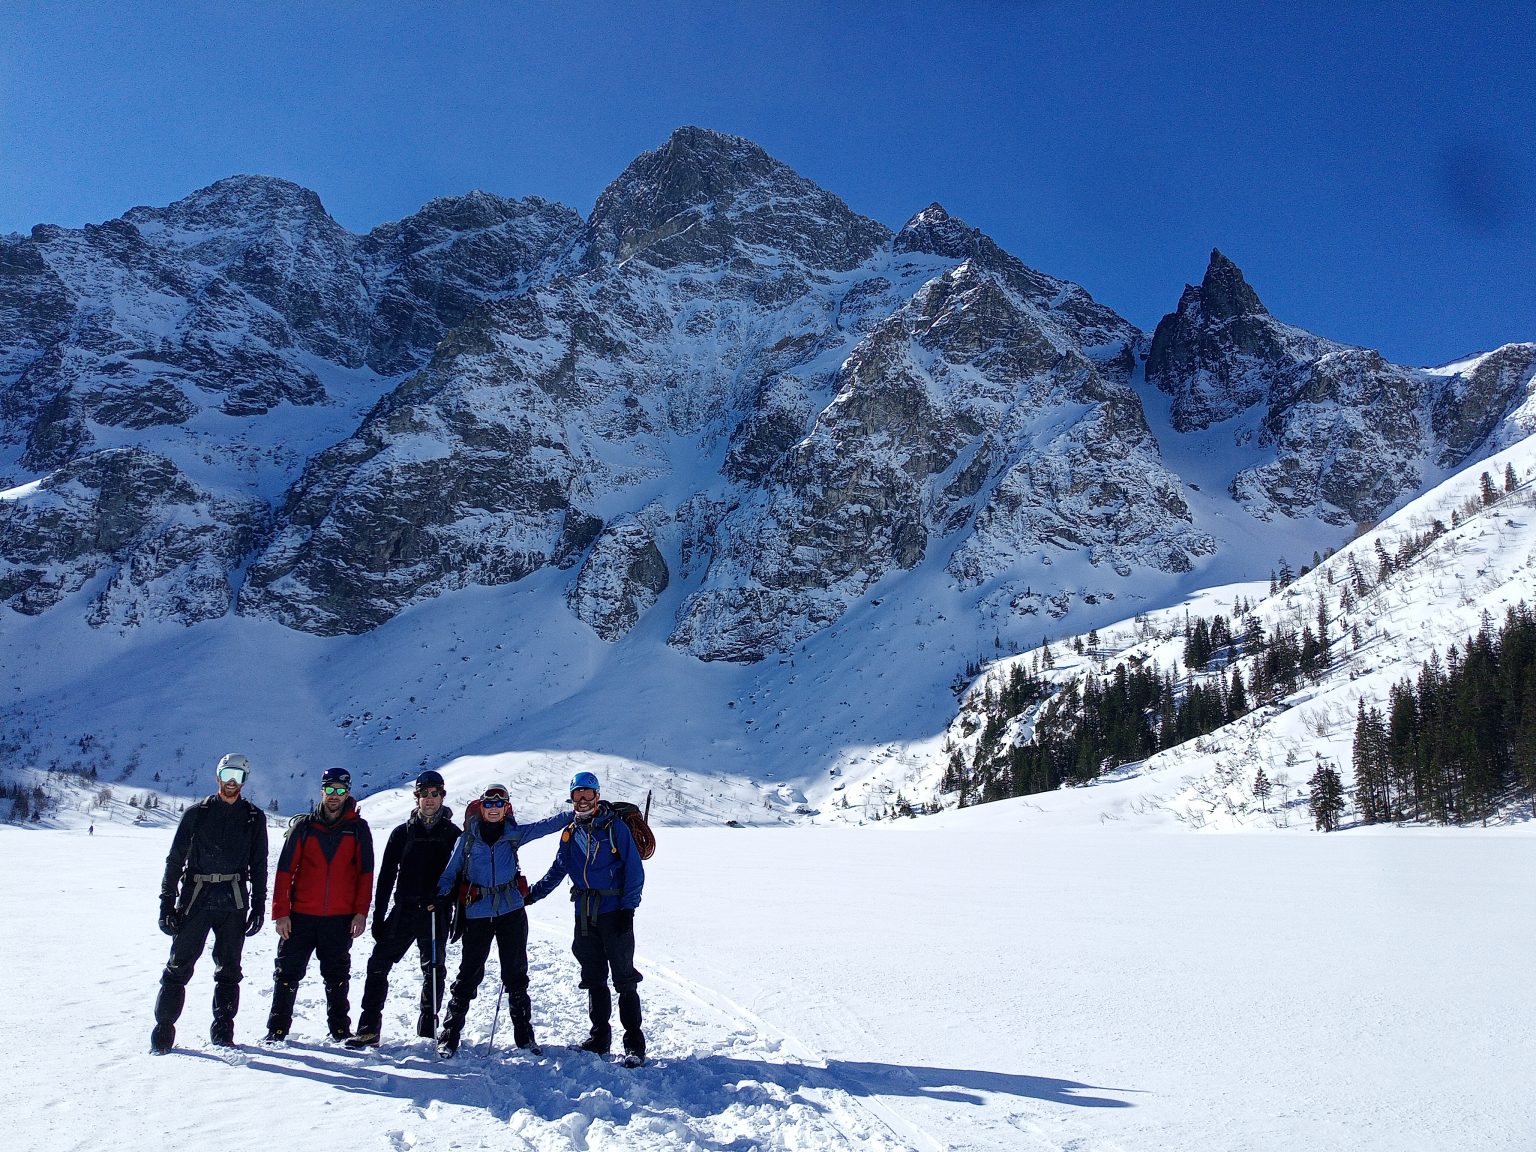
pixel 995 978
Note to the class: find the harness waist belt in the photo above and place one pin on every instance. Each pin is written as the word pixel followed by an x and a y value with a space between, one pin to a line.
pixel 587 901
pixel 230 878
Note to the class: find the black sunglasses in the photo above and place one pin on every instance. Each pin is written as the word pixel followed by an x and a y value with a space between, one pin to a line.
pixel 431 792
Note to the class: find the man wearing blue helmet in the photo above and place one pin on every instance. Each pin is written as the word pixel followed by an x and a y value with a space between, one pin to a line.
pixel 599 855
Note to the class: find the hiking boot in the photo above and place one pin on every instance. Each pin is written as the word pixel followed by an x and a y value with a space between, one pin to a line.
pixel 365 1038
pixel 280 1018
pixel 447 1042
pixel 161 1038
pixel 222 1035
pixel 522 1032
pixel 599 1042
pixel 634 1044
pixel 338 1013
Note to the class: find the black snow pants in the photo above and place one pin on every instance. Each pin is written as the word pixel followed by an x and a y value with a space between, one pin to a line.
pixel 404 926
pixel 604 946
pixel 510 933
pixel 331 938
pixel 228 927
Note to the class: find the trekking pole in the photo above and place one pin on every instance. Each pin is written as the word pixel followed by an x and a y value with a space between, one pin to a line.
pixel 647 805
pixel 497 1016
pixel 439 961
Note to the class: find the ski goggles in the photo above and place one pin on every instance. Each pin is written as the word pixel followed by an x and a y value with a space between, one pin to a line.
pixel 335 789
pixel 493 802
pixel 232 775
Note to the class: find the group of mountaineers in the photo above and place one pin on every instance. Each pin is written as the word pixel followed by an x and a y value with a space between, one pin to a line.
pixel 435 883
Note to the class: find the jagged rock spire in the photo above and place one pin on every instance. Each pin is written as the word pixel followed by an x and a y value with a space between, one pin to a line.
pixel 1225 294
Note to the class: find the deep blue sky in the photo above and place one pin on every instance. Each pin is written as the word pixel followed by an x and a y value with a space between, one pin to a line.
pixel 1373 172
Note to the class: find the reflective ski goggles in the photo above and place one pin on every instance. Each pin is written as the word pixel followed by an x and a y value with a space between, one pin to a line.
pixel 335 789
pixel 237 775
pixel 493 802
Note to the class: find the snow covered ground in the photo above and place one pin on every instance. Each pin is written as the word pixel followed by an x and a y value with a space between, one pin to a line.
pixel 1021 976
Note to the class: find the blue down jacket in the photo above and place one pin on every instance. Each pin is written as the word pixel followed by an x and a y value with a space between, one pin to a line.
pixel 492 868
pixel 599 856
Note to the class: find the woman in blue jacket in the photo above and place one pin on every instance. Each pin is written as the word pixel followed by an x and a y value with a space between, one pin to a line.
pixel 607 879
pixel 486 858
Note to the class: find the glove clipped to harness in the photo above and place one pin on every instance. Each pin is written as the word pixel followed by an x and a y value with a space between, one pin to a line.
pixel 255 918
pixel 170 921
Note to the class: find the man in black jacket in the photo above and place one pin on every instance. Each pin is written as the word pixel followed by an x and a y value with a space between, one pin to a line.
pixel 414 859
pixel 215 880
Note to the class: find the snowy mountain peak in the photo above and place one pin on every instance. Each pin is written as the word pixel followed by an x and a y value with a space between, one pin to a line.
pixel 935 231
pixel 1225 294
pixel 703 193
pixel 235 204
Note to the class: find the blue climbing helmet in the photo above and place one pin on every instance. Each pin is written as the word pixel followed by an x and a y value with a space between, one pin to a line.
pixel 585 780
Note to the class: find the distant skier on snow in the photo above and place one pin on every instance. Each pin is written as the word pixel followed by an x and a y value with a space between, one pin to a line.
pixel 215 880
pixel 598 853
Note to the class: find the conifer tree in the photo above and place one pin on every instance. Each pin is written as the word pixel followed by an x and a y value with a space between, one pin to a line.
pixel 1262 788
pixel 1326 799
pixel 1237 696
pixel 1373 780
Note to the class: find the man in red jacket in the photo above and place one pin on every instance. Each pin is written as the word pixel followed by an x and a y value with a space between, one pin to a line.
pixel 320 900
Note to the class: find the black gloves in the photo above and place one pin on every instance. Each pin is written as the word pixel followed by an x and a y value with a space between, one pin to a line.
pixel 255 918
pixel 624 920
pixel 170 921
pixel 378 926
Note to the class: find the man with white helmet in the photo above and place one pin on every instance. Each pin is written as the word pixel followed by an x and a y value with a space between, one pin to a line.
pixel 598 853
pixel 215 881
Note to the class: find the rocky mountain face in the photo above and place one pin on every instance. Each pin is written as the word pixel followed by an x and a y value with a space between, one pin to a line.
pixel 168 354
pixel 1347 433
pixel 724 392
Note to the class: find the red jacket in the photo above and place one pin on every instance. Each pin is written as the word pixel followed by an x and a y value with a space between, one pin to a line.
pixel 325 869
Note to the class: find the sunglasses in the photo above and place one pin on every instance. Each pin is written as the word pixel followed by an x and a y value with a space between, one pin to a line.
pixel 237 775
pixel 335 789
pixel 438 792
pixel 494 802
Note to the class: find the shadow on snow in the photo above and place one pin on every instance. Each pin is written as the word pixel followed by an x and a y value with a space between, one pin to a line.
pixel 565 1081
